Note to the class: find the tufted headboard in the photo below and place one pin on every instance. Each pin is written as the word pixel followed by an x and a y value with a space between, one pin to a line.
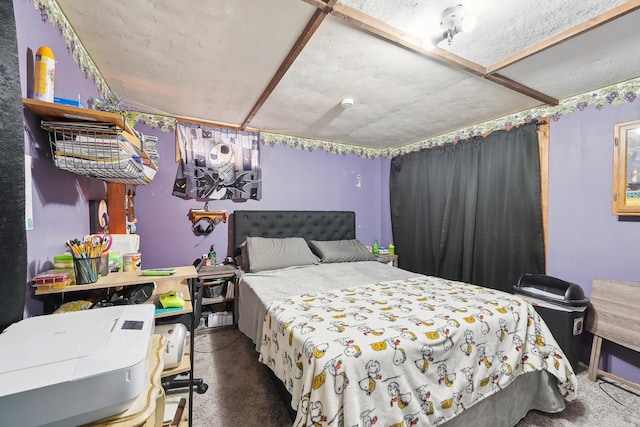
pixel 312 225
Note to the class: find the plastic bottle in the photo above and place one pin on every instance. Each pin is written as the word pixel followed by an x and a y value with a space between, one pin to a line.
pixel 212 255
pixel 392 249
pixel 44 75
pixel 375 248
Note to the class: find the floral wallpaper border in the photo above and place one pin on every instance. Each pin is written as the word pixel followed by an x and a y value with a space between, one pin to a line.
pixel 611 95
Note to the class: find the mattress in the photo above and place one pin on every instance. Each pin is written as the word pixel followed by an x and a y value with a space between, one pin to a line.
pixel 362 341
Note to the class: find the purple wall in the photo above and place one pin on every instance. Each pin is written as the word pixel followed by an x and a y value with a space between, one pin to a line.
pixel 60 199
pixel 585 240
pixel 292 179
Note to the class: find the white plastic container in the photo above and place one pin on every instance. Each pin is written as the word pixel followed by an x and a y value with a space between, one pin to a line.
pixel 44 75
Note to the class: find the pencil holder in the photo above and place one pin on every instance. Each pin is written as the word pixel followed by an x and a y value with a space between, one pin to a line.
pixel 86 270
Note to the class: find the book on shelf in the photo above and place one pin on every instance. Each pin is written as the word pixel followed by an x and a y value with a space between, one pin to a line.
pixel 230 290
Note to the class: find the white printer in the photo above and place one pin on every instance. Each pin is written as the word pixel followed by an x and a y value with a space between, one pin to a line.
pixel 73 368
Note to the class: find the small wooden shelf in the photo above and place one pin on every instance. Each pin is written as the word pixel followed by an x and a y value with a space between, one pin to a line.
pixel 217 275
pixel 52 111
pixel 94 143
pixel 387 259
pixel 209 272
pixel 188 308
pixel 219 300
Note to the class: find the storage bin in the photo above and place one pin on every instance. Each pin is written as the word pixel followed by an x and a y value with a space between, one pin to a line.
pixel 562 305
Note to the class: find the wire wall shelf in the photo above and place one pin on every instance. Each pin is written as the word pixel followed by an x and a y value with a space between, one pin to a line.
pixel 99 150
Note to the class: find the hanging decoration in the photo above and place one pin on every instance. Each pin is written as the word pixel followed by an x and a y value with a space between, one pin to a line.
pixel 217 163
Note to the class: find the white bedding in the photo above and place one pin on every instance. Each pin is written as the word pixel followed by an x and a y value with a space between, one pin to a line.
pixel 326 324
pixel 257 290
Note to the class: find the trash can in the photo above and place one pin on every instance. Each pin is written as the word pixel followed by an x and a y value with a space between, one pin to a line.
pixel 562 305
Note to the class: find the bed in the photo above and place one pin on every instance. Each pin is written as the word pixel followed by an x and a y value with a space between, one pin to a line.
pixel 355 342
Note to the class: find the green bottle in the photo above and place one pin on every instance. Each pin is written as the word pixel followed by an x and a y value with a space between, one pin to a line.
pixel 375 248
pixel 212 255
pixel 392 249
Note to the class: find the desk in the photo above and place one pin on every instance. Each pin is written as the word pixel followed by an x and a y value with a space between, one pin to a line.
pixel 177 281
pixel 183 280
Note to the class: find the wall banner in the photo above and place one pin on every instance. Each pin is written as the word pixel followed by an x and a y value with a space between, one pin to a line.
pixel 217 163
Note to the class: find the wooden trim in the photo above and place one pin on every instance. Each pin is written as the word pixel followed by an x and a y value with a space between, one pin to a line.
pixel 595 372
pixel 400 38
pixel 178 154
pixel 582 28
pixel 613 377
pixel 525 90
pixel 215 124
pixel 116 207
pixel 318 16
pixel 596 347
pixel 543 144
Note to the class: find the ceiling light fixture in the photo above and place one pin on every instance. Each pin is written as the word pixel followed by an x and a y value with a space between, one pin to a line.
pixel 453 20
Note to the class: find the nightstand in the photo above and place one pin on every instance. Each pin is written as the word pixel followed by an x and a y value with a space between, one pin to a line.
pixel 219 283
pixel 388 259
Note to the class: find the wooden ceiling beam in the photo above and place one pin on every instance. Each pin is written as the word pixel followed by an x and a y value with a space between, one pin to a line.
pixel 400 38
pixel 318 16
pixel 525 90
pixel 580 29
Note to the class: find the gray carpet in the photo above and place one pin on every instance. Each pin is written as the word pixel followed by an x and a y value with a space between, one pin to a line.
pixel 242 393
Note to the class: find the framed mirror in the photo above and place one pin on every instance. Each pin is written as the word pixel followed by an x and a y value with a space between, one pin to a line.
pixel 626 168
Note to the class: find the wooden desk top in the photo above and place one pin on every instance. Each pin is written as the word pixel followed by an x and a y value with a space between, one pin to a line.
pixel 114 280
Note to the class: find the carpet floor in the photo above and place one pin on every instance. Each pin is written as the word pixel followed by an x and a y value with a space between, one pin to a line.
pixel 242 392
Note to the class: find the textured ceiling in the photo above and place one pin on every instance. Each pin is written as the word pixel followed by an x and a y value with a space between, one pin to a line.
pixel 216 61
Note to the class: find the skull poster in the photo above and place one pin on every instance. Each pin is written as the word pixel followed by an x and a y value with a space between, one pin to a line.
pixel 217 163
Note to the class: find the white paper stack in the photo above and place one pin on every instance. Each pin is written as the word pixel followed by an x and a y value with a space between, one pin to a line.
pixel 220 318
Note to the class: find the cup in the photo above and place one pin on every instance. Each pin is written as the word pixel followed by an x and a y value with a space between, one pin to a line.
pixel 86 270
pixel 104 264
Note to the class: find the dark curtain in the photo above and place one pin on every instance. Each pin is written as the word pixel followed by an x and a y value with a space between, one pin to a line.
pixel 13 244
pixel 471 211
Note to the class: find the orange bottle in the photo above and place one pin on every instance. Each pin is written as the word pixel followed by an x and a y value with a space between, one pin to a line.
pixel 44 76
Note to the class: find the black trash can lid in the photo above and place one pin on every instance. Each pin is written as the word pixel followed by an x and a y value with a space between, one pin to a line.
pixel 551 289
